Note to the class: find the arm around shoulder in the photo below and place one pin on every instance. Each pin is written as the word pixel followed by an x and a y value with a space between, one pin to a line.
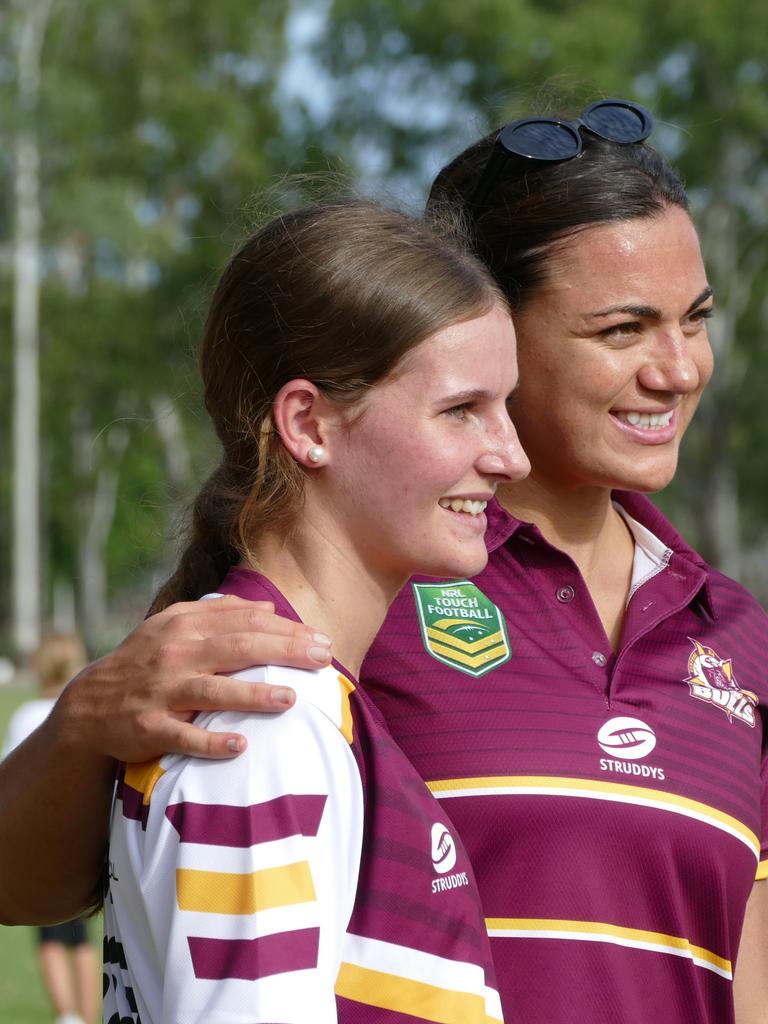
pixel 54 804
pixel 134 704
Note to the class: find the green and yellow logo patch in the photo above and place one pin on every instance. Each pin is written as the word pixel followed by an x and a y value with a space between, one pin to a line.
pixel 461 627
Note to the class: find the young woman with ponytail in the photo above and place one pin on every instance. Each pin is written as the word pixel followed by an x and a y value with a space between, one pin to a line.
pixel 356 367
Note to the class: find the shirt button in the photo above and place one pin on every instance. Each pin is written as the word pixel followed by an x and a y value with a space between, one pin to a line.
pixel 566 594
pixel 599 659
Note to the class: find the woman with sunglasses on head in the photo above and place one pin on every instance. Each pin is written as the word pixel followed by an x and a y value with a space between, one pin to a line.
pixel 608 773
pixel 590 709
pixel 356 365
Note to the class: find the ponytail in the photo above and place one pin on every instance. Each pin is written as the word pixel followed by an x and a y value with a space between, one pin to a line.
pixel 209 554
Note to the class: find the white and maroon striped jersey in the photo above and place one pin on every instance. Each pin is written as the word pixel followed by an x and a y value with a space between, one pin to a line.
pixel 312 879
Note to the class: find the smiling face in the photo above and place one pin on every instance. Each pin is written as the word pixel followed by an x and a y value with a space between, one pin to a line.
pixel 614 355
pixel 411 470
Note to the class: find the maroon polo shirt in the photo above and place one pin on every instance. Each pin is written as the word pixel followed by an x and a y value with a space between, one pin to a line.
pixel 613 806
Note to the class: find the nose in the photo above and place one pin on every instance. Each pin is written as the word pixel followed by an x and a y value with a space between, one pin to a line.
pixel 504 457
pixel 677 363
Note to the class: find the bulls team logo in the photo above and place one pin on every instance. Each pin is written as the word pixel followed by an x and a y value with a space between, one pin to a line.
pixel 711 679
pixel 461 627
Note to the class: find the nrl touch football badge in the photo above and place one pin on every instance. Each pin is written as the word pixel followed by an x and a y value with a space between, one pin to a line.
pixel 461 627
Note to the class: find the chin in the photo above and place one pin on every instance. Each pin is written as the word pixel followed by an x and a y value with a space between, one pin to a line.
pixel 646 479
pixel 649 483
pixel 456 569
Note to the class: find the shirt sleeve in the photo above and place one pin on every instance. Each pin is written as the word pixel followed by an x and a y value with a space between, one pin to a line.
pixel 23 722
pixel 255 862
pixel 11 740
pixel 762 867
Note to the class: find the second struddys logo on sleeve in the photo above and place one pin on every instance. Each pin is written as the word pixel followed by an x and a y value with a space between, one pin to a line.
pixel 461 627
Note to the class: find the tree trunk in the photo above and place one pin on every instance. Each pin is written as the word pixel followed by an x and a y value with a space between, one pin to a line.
pixel 736 273
pixel 98 461
pixel 26 411
pixel 170 429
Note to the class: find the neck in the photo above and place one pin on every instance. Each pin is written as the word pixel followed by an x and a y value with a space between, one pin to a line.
pixel 329 588
pixel 582 522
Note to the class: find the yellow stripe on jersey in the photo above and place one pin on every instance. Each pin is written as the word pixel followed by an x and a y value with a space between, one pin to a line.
pixel 438 632
pixel 347 689
pixel 466 659
pixel 409 997
pixel 762 870
pixel 221 892
pixel 144 777
pixel 600 931
pixel 519 785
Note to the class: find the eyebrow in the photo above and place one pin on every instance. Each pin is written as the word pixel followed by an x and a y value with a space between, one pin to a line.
pixel 469 396
pixel 650 312
pixel 464 397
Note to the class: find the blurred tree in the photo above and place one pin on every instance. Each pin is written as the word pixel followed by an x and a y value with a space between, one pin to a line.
pixel 155 125
pixel 712 84
pixel 28 27
pixel 156 122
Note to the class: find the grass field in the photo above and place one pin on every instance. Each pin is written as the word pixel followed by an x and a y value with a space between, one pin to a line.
pixel 22 999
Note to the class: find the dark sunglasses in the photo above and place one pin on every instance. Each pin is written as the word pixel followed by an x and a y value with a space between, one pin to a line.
pixel 546 138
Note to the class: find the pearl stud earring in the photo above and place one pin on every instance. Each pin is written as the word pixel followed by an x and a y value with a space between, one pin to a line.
pixel 316 453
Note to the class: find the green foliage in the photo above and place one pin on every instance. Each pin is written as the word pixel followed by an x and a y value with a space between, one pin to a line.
pixel 22 998
pixel 159 123
pixel 156 123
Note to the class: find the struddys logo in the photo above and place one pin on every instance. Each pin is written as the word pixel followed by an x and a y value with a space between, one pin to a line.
pixel 628 740
pixel 711 679
pixel 444 856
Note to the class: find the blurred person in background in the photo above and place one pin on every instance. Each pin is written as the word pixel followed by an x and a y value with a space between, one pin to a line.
pixel 608 770
pixel 69 965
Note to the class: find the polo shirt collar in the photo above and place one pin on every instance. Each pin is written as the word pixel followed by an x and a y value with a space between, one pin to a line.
pixel 502 525
pixel 651 554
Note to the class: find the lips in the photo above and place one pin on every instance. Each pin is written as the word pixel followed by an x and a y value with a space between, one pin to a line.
pixel 646 420
pixel 468 505
pixel 649 428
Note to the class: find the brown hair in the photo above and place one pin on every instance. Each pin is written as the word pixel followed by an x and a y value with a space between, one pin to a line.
pixel 336 293
pixel 534 205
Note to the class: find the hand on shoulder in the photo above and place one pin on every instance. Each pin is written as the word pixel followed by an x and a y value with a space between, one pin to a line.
pixel 137 702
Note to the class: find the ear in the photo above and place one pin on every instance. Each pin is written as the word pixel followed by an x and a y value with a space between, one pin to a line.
pixel 301 414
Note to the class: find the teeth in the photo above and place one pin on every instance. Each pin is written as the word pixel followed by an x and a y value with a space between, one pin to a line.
pixel 647 420
pixel 473 508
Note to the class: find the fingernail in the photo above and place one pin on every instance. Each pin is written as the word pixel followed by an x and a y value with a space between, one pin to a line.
pixel 281 695
pixel 321 654
pixel 321 638
pixel 235 746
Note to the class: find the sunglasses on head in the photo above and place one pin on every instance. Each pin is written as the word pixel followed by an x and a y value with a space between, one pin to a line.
pixel 552 140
